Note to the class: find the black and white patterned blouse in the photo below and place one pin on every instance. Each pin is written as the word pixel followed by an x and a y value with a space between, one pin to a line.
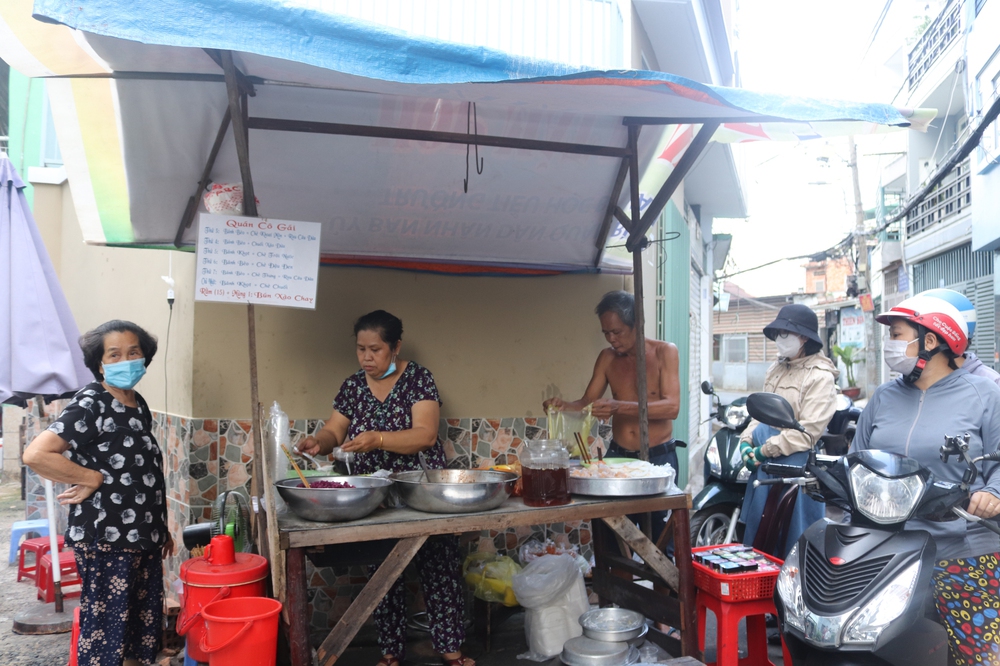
pixel 129 510
pixel 357 402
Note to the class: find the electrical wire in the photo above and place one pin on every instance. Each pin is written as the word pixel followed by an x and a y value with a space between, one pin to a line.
pixel 166 353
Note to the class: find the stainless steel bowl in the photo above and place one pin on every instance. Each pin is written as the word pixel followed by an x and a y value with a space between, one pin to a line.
pixel 334 505
pixel 612 624
pixel 454 490
pixel 583 651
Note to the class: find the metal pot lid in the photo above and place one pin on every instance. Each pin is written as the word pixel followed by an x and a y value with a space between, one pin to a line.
pixel 583 651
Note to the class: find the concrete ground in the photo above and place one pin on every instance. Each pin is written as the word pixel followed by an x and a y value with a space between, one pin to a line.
pixel 53 650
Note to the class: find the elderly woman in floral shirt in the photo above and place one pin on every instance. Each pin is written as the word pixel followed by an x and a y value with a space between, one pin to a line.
pixel 386 413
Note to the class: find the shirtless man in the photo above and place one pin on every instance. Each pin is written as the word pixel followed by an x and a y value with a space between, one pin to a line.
pixel 616 367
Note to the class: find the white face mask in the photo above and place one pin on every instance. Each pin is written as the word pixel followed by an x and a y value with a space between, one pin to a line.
pixel 788 346
pixel 896 358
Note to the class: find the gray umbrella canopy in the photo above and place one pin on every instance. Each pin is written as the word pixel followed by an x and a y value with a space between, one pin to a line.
pixel 39 353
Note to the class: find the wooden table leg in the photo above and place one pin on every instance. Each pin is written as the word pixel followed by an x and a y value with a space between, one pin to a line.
pixel 376 589
pixel 298 607
pixel 646 549
pixel 687 592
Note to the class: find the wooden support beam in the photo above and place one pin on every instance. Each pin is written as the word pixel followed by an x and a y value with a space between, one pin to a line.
pixel 378 586
pixel 623 219
pixel 646 549
pixel 192 206
pixel 688 159
pixel 637 290
pixel 242 80
pixel 240 135
pixel 298 607
pixel 373 131
pixel 616 191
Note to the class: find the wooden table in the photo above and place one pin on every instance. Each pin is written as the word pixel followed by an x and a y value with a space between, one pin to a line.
pixel 412 528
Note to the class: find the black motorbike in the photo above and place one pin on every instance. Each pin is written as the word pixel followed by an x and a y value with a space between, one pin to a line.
pixel 859 593
pixel 716 509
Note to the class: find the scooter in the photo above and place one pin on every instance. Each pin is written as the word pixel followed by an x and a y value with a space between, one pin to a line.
pixel 716 509
pixel 859 593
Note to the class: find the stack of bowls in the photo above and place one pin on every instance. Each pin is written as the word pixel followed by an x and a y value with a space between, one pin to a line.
pixel 611 637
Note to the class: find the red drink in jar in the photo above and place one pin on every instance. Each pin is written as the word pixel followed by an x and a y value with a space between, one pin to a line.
pixel 545 486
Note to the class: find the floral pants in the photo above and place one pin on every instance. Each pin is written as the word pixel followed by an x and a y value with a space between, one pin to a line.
pixel 968 600
pixel 121 604
pixel 439 567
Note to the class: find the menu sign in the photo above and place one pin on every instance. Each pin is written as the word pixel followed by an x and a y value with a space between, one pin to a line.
pixel 257 260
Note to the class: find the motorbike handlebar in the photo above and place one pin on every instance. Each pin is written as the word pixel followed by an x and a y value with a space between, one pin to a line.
pixel 785 471
pixel 797 481
pixel 988 524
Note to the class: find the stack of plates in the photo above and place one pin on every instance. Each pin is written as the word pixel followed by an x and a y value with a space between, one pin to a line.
pixel 611 637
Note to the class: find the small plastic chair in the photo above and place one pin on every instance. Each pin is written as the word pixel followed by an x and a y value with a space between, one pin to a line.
pixel 74 637
pixel 727 617
pixel 23 528
pixel 70 577
pixel 37 547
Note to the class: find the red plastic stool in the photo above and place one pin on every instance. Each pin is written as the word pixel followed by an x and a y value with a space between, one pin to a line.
pixel 74 637
pixel 38 546
pixel 727 616
pixel 68 572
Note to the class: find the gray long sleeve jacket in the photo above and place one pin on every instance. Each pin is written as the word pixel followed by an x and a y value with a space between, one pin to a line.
pixel 903 419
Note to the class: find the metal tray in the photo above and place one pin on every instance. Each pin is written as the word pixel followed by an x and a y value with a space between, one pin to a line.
pixel 655 485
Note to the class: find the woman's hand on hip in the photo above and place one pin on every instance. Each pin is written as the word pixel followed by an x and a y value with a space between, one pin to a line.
pixel 984 504
pixel 78 492
pixel 365 441
pixel 168 546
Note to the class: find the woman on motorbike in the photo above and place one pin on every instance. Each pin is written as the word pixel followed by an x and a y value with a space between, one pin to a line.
pixel 804 377
pixel 911 416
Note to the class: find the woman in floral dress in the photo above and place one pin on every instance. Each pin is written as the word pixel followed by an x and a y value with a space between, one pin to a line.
pixel 386 413
pixel 101 445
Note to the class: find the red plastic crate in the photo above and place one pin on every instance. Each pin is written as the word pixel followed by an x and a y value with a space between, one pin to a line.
pixel 735 587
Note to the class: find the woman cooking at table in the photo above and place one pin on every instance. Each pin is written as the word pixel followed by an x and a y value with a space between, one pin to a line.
pixel 386 413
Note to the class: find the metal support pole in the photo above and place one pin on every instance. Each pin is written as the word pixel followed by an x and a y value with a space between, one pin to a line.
pixel 238 114
pixel 861 247
pixel 640 317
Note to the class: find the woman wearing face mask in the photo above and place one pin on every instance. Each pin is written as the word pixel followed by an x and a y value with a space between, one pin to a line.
pixel 911 416
pixel 806 379
pixel 102 446
pixel 385 414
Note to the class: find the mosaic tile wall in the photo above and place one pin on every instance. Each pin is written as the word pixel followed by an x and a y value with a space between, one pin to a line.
pixel 204 457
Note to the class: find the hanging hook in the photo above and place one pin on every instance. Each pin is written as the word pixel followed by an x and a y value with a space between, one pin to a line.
pixel 469 116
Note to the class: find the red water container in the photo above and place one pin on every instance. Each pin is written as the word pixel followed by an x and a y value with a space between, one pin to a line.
pixel 220 574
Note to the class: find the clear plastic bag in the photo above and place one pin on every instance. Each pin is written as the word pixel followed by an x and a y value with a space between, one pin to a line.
pixel 277 462
pixel 565 425
pixel 552 591
pixel 533 549
pixel 490 575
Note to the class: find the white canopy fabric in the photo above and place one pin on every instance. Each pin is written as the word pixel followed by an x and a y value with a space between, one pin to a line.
pixel 138 100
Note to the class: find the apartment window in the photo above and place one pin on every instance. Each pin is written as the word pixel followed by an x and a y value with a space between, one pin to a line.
pixel 736 349
pixel 819 285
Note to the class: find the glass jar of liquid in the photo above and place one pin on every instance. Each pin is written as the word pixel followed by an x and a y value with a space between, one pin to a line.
pixel 545 472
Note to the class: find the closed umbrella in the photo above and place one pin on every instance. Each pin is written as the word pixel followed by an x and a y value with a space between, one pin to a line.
pixel 39 354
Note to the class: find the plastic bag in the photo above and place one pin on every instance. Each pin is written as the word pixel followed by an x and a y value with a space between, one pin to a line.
pixel 490 575
pixel 274 457
pixel 533 549
pixel 566 425
pixel 552 591
pixel 225 199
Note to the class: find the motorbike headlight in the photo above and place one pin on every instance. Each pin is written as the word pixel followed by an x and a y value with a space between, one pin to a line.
pixel 866 626
pixel 713 458
pixel 736 415
pixel 885 501
pixel 790 590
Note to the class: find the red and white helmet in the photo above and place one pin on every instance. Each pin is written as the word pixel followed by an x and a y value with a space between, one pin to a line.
pixel 935 314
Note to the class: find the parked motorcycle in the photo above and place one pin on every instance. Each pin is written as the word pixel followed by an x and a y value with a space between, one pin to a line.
pixel 717 507
pixel 860 593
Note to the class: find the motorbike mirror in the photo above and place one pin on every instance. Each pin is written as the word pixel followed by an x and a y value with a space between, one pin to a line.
pixel 773 410
pixel 707 388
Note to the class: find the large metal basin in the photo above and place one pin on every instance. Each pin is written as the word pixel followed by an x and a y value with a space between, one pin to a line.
pixel 454 490
pixel 334 505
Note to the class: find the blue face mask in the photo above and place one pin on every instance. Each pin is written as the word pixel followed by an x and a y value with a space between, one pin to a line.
pixel 124 374
pixel 392 369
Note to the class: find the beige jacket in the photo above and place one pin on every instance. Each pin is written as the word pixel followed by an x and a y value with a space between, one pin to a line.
pixel 807 383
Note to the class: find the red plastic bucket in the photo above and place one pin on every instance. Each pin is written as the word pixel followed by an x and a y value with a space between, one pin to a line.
pixel 220 574
pixel 241 632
